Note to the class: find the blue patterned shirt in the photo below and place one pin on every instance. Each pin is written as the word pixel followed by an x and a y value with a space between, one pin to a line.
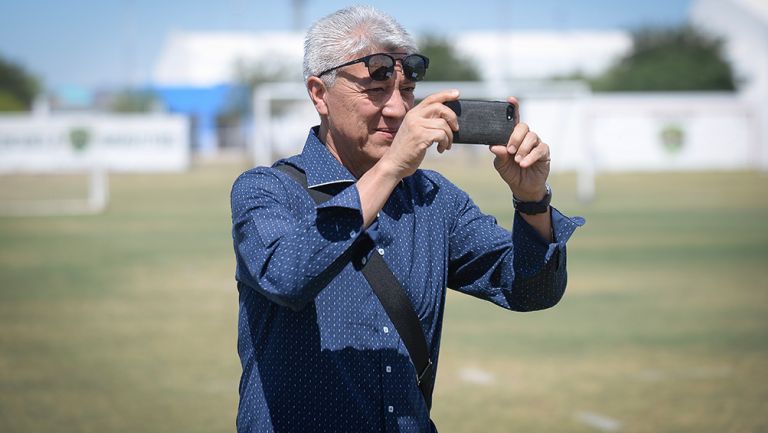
pixel 317 349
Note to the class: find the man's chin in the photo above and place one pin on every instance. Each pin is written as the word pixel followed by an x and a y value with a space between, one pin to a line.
pixel 377 147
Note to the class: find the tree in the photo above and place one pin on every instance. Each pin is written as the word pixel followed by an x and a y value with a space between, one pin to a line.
pixel 18 88
pixel 672 59
pixel 134 101
pixel 444 63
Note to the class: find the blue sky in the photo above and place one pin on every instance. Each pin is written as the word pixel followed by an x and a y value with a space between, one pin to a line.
pixel 95 43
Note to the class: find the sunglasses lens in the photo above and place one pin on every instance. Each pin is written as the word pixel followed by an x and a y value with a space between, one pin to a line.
pixel 415 67
pixel 381 67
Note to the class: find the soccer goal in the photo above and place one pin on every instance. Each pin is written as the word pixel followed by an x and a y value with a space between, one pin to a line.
pixel 75 191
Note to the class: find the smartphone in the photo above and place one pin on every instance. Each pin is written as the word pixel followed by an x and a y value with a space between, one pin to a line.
pixel 483 122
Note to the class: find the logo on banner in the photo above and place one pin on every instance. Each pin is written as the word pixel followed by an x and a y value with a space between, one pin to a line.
pixel 79 139
pixel 672 138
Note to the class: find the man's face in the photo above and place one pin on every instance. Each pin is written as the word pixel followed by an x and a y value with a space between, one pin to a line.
pixel 364 115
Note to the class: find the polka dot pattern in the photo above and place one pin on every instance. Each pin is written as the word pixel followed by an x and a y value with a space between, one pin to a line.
pixel 318 351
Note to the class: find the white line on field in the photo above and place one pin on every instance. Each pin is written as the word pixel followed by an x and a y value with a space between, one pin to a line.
pixel 657 375
pixel 600 422
pixel 476 376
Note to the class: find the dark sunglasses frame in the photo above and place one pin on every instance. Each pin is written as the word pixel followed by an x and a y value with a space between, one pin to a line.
pixel 408 70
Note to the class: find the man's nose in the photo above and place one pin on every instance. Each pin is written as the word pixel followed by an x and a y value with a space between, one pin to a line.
pixel 396 105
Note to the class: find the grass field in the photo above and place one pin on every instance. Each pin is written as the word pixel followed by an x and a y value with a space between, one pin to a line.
pixel 126 321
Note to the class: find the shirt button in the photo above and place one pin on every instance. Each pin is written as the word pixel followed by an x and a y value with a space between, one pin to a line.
pixel 364 260
pixel 381 251
pixel 389 369
pixel 386 330
pixel 390 409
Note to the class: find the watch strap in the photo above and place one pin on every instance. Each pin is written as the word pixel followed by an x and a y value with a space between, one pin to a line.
pixel 534 207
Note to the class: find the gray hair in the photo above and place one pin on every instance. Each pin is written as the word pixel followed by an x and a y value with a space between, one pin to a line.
pixel 349 33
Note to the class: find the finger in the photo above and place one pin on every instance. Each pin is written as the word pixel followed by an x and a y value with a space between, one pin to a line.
pixel 449 116
pixel 442 140
pixel 500 151
pixel 448 143
pixel 438 123
pixel 440 97
pixel 530 141
pixel 442 136
pixel 441 111
pixel 441 133
pixel 539 154
pixel 516 138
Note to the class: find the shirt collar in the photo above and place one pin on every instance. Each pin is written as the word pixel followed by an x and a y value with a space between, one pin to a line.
pixel 319 165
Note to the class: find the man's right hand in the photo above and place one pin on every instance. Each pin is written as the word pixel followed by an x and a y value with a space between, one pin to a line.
pixel 427 123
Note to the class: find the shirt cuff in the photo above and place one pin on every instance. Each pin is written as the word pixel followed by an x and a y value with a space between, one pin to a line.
pixel 532 251
pixel 343 212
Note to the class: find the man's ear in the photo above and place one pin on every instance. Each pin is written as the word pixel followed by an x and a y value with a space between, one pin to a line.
pixel 318 93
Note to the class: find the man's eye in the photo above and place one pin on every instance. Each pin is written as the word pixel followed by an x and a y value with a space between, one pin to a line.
pixel 376 90
pixel 407 89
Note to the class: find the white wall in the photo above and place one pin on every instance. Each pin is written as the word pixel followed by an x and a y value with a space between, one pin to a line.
pixel 602 132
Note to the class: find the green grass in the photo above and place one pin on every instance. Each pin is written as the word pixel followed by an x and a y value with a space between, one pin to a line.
pixel 126 321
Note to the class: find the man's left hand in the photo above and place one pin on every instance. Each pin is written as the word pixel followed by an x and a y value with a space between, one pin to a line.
pixel 523 163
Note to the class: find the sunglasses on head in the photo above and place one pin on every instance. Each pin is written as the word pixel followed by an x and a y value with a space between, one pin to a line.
pixel 381 66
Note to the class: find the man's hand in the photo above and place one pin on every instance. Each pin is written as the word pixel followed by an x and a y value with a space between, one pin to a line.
pixel 523 163
pixel 427 123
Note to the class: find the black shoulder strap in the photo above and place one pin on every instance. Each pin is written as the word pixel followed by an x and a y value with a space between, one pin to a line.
pixel 392 296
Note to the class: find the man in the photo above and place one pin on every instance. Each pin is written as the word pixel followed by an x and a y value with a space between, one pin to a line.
pixel 318 350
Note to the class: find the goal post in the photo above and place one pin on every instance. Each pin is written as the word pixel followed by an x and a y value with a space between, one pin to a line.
pixel 38 193
pixel 41 153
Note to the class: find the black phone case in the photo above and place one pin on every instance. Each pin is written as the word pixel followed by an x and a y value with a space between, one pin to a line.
pixel 483 122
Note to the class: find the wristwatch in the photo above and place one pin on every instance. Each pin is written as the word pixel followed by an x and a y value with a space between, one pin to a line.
pixel 534 207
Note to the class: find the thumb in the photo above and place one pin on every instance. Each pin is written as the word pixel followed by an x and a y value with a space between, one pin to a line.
pixel 500 151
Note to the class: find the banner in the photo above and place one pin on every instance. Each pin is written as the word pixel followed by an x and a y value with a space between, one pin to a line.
pixel 126 143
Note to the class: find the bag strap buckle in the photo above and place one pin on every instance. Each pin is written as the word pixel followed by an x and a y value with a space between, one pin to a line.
pixel 420 377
